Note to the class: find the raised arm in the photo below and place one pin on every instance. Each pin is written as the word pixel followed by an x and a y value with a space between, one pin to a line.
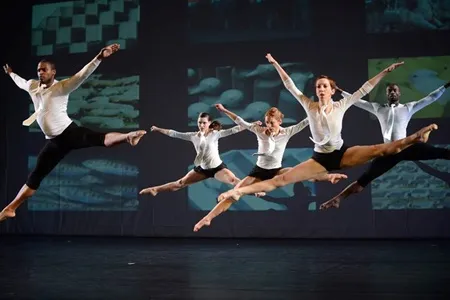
pixel 238 120
pixel 19 81
pixel 288 83
pixel 363 104
pixel 427 100
pixel 369 85
pixel 174 134
pixel 72 83
pixel 294 129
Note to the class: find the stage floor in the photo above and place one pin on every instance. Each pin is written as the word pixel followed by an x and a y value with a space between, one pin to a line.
pixel 146 268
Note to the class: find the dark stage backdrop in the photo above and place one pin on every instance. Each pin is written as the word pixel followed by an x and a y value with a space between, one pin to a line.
pixel 180 57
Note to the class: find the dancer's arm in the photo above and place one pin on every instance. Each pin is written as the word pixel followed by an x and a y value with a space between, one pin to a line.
pixel 363 104
pixel 294 129
pixel 70 84
pixel 238 120
pixel 288 83
pixel 174 134
pixel 427 100
pixel 369 85
pixel 19 81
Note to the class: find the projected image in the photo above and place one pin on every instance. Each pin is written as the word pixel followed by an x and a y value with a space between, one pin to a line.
pixel 103 102
pixel 203 195
pixel 83 26
pixel 248 92
pixel 418 77
pixel 222 21
pixel 89 185
pixel 414 185
pixel 394 16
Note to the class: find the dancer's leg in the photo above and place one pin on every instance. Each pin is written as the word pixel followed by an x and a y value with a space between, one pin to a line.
pixel 226 176
pixel 223 205
pixel 304 171
pixel 359 155
pixel 116 138
pixel 190 178
pixel 48 158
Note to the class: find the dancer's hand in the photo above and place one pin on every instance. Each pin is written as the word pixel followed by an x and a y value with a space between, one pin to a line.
pixel 394 66
pixel 339 89
pixel 7 69
pixel 219 107
pixel 108 51
pixel 335 178
pixel 270 58
pixel 154 128
pixel 258 122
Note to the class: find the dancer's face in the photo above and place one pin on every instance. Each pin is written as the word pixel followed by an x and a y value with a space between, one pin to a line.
pixel 272 124
pixel 324 91
pixel 45 72
pixel 393 93
pixel 203 124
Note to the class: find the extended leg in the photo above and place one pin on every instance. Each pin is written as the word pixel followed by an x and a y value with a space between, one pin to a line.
pixel 190 178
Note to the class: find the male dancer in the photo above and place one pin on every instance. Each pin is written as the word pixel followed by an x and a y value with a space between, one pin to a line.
pixel 50 98
pixel 394 118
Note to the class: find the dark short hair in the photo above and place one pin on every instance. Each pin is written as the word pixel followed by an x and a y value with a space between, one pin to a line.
pixel 47 61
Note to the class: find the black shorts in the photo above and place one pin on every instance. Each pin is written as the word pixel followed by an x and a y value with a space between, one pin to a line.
pixel 263 174
pixel 209 173
pixel 330 161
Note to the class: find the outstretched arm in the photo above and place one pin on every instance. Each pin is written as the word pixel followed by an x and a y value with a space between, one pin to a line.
pixel 238 120
pixel 19 81
pixel 430 98
pixel 369 85
pixel 72 83
pixel 294 129
pixel 174 134
pixel 363 104
pixel 288 83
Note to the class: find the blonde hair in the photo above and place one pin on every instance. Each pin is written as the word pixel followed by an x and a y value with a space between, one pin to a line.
pixel 274 112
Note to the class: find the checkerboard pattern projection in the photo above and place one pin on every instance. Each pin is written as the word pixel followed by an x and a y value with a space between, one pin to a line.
pixel 84 26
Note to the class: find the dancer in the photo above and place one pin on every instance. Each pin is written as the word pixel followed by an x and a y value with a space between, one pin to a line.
pixel 394 118
pixel 325 120
pixel 50 98
pixel 207 162
pixel 272 141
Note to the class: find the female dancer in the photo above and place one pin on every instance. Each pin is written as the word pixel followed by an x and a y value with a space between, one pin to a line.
pixel 207 162
pixel 272 141
pixel 330 152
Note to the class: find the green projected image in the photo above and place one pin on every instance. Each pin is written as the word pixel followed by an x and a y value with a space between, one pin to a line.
pixel 83 26
pixel 103 102
pixel 225 21
pixel 203 195
pixel 418 77
pixel 87 185
pixel 395 16
pixel 249 92
pixel 414 185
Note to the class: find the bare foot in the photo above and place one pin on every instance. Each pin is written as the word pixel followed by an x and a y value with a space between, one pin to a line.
pixel 231 194
pixel 134 137
pixel 150 190
pixel 424 133
pixel 260 194
pixel 203 222
pixel 330 203
pixel 7 213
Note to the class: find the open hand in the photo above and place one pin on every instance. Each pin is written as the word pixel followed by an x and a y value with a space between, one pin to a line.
pixel 7 69
pixel 394 66
pixel 109 50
